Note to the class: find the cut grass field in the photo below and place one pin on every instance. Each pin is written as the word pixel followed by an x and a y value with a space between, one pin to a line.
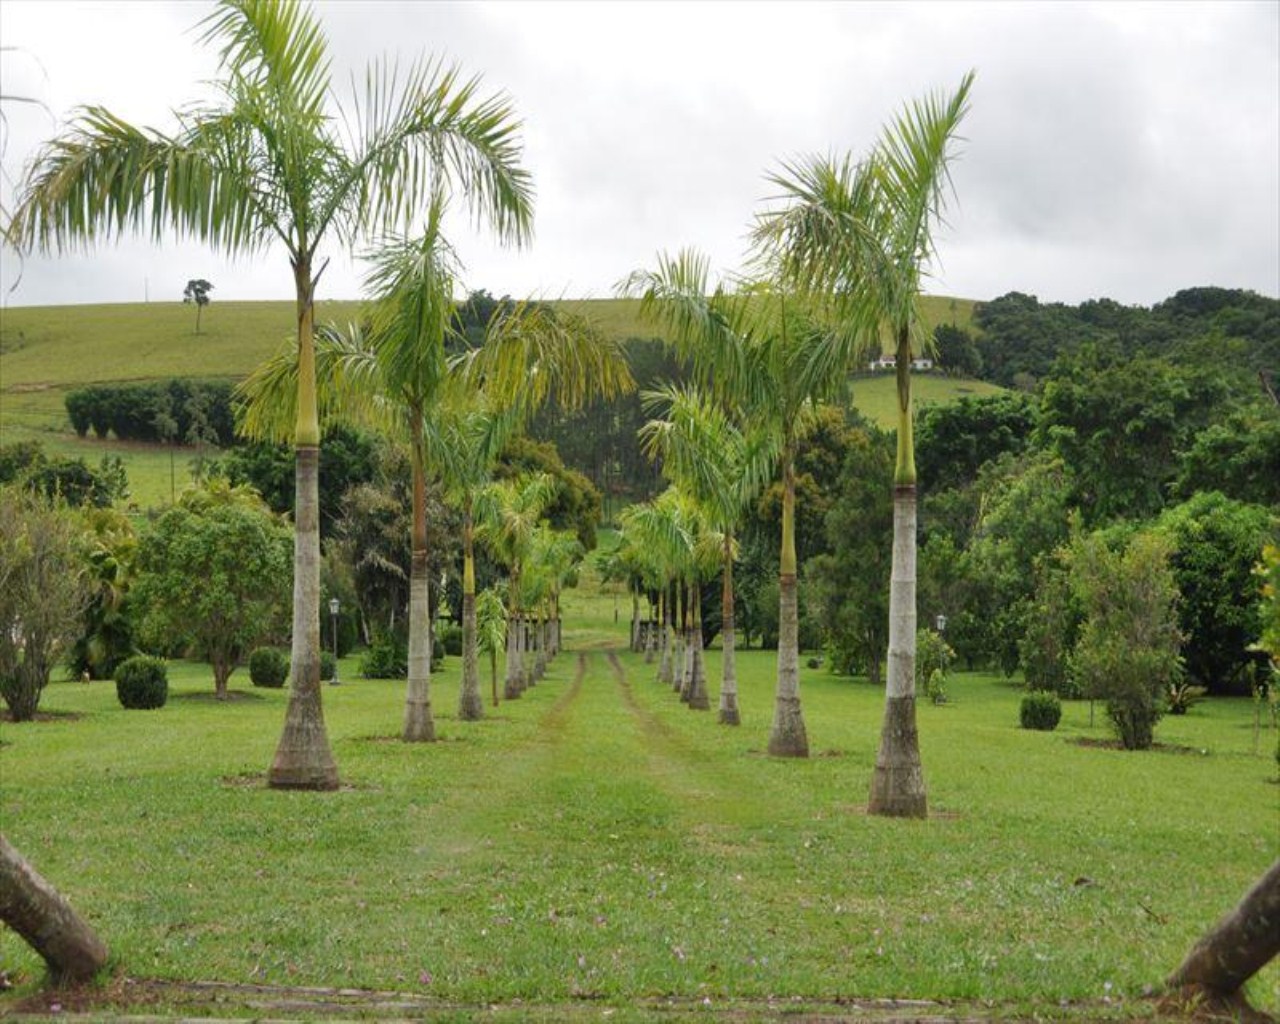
pixel 596 844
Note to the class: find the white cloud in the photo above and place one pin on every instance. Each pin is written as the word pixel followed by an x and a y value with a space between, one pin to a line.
pixel 1121 150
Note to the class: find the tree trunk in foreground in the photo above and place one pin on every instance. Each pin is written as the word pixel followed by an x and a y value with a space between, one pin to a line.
pixel 303 759
pixel 419 726
pixel 897 786
pixel 729 670
pixel 30 906
pixel 470 704
pixel 788 737
pixel 698 698
pixel 1237 947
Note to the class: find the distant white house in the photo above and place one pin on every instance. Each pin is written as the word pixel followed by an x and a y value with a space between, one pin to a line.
pixel 891 363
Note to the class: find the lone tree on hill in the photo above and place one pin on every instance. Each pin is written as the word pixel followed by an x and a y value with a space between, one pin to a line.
pixel 271 163
pixel 197 291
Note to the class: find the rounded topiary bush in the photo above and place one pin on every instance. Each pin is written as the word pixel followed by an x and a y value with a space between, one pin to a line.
pixel 328 666
pixel 269 666
pixel 1041 710
pixel 142 682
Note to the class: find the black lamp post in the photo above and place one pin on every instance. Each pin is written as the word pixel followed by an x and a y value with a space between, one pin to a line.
pixel 334 608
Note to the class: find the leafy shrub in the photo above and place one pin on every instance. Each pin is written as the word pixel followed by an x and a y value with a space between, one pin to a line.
pixel 936 687
pixel 933 654
pixel 387 658
pixel 1181 696
pixel 269 667
pixel 142 682
pixel 328 666
pixel 449 639
pixel 1040 710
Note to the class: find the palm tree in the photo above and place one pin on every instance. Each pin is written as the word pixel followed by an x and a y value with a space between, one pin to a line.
pixel 709 456
pixel 757 351
pixel 269 164
pixel 860 235
pixel 396 375
pixel 508 513
pixel 491 631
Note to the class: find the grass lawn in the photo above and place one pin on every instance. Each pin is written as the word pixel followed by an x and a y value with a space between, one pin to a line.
pixel 596 843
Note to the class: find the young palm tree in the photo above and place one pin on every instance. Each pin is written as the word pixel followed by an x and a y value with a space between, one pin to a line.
pixel 269 164
pixel 508 513
pixel 757 351
pixel 491 631
pixel 706 453
pixel 860 236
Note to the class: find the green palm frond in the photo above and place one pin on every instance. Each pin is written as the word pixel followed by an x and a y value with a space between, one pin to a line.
pixel 275 47
pixel 432 126
pixel 533 353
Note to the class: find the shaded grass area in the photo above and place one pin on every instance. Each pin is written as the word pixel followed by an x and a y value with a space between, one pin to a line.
pixel 595 840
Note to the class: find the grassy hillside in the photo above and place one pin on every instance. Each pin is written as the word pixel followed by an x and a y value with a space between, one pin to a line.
pixel 47 350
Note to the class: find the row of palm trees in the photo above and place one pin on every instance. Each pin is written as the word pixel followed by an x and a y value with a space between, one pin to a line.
pixel 837 266
pixel 836 269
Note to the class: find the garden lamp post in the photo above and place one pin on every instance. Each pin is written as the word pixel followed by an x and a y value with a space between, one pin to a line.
pixel 941 623
pixel 334 608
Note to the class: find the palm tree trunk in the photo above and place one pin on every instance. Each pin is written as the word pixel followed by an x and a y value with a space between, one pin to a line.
pixel 788 737
pixel 1238 946
pixel 470 705
pixel 664 641
pixel 33 908
pixel 303 759
pixel 897 786
pixel 513 686
pixel 686 646
pixel 635 620
pixel 418 724
pixel 698 698
pixel 729 669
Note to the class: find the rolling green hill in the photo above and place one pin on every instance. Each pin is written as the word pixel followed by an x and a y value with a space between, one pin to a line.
pixel 47 350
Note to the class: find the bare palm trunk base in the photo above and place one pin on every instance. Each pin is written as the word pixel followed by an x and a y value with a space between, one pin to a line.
pixel 419 727
pixel 512 686
pixel 1230 954
pixel 897 785
pixel 470 704
pixel 788 737
pixel 699 699
pixel 32 908
pixel 729 667
pixel 303 759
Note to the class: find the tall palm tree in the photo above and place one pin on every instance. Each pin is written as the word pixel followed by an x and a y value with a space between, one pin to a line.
pixel 709 456
pixel 269 164
pixel 757 350
pixel 860 235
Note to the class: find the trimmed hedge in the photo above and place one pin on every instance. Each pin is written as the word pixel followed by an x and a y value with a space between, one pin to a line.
pixel 269 667
pixel 1041 710
pixel 142 682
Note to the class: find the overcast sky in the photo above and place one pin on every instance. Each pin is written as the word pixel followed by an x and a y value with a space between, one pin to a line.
pixel 1119 150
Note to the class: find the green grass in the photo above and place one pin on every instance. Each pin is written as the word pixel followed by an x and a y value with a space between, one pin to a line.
pixel 597 840
pixel 47 351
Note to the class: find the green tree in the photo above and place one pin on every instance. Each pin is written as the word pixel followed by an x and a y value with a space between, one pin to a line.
pixel 213 574
pixel 1215 543
pixel 861 235
pixel 1127 653
pixel 197 291
pixel 44 590
pixel 107 634
pixel 850 584
pixel 269 164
